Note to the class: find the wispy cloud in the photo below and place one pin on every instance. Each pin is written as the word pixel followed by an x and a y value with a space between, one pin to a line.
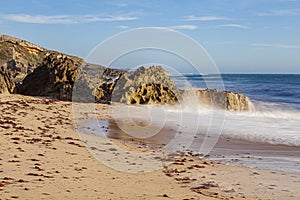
pixel 64 19
pixel 122 27
pixel 39 19
pixel 179 27
pixel 183 27
pixel 205 18
pixel 234 26
pixel 283 46
pixel 288 12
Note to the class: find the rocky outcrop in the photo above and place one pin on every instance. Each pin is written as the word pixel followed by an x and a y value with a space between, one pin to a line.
pixel 7 84
pixel 108 79
pixel 143 86
pixel 55 77
pixel 19 56
pixel 220 99
pixel 152 93
pixel 53 74
pixel 151 85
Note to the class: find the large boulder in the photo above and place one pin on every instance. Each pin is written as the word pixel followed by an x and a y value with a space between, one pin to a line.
pixel 142 86
pixel 220 99
pixel 152 93
pixel 55 77
pixel 108 79
pixel 145 85
pixel 19 56
pixel 7 84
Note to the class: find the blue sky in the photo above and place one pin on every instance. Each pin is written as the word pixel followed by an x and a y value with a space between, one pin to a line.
pixel 248 36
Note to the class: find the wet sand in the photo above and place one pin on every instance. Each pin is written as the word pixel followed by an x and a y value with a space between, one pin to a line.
pixel 227 149
pixel 42 157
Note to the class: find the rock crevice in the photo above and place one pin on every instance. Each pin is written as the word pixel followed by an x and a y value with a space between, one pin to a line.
pixel 7 84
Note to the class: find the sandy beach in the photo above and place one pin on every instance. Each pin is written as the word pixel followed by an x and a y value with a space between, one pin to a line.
pixel 153 100
pixel 42 157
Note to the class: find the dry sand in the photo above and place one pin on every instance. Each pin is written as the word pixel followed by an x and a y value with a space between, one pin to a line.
pixel 42 157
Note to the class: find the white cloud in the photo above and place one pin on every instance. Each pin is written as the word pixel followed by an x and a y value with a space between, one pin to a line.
pixel 288 12
pixel 91 18
pixel 283 46
pixel 234 26
pixel 179 27
pixel 64 19
pixel 205 18
pixel 183 27
pixel 121 27
pixel 39 19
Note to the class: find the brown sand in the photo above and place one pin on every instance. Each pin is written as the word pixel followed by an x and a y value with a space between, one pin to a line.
pixel 41 157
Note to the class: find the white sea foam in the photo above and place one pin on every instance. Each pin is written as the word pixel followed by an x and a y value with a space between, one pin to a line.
pixel 186 125
pixel 274 126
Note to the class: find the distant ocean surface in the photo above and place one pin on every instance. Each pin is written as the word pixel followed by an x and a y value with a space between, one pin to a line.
pixel 276 98
pixel 282 90
pixel 274 123
pixel 275 120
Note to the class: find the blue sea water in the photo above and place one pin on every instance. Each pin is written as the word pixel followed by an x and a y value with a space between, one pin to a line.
pixel 282 90
pixel 276 98
pixel 274 123
pixel 275 119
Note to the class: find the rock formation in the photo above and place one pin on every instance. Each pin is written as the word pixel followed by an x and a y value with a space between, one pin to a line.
pixel 19 56
pixel 55 77
pixel 108 79
pixel 220 99
pixel 152 93
pixel 53 74
pixel 7 84
pixel 151 85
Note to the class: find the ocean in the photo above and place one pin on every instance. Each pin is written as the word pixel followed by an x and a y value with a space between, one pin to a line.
pixel 276 98
pixel 275 120
pixel 267 137
pixel 280 90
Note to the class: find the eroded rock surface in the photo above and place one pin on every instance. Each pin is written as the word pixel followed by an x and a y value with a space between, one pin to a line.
pixel 55 77
pixel 7 84
pixel 19 56
pixel 145 85
pixel 53 74
pixel 152 93
pixel 220 99
pixel 108 80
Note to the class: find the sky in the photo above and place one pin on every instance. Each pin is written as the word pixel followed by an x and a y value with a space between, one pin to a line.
pixel 241 36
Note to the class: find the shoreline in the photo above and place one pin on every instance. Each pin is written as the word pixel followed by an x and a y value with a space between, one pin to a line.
pixel 230 150
pixel 43 157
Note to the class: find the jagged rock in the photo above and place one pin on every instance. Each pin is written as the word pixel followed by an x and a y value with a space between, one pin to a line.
pixel 7 84
pixel 220 99
pixel 238 102
pixel 55 77
pixel 53 74
pixel 152 93
pixel 153 86
pixel 144 86
pixel 19 56
pixel 109 77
